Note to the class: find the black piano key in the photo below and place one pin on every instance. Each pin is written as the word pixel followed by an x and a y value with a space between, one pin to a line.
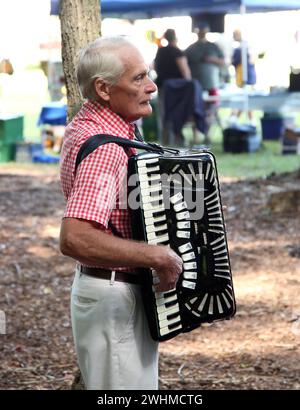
pixel 174 325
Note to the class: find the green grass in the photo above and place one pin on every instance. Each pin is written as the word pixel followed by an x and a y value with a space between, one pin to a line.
pixel 267 160
pixel 258 164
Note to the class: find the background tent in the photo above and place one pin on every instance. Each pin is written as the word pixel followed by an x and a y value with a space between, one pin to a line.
pixel 162 8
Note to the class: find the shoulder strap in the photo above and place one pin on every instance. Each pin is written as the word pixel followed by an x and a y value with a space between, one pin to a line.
pixel 97 140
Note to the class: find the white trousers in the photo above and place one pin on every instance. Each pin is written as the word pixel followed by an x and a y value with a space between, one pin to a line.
pixel 114 348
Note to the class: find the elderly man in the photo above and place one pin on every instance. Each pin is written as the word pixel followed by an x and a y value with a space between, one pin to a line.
pixel 113 344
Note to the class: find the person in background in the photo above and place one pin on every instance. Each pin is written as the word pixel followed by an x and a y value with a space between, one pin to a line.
pixel 170 62
pixel 236 61
pixel 205 60
pixel 112 339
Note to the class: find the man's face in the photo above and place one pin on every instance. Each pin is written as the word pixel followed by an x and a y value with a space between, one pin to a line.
pixel 130 97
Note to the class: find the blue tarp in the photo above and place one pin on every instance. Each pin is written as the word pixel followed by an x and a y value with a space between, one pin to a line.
pixel 160 8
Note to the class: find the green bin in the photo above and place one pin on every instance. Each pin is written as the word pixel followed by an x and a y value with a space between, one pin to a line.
pixel 7 151
pixel 11 128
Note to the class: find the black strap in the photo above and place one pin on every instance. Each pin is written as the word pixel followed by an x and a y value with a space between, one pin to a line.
pixel 97 140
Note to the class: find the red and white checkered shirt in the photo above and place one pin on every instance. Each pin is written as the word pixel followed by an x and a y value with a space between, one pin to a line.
pixel 96 192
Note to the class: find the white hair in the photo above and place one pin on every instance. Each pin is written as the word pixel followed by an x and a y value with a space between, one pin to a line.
pixel 100 59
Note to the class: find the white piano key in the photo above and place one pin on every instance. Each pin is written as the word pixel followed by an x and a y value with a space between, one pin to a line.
pixel 183 234
pixel 189 285
pixel 175 198
pixel 152 228
pixel 160 239
pixel 204 238
pixel 167 322
pixel 180 206
pixel 152 220
pixel 220 252
pixel 190 275
pixel 183 225
pixel 154 177
pixel 152 198
pixel 150 207
pixel 189 265
pixel 150 161
pixel 186 247
pixel 162 301
pixel 165 331
pixel 149 213
pixel 188 256
pixel 147 170
pixel 146 186
pixel 155 235
pixel 182 215
pixel 163 313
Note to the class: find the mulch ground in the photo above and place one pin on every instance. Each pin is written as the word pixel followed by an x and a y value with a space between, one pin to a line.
pixel 258 349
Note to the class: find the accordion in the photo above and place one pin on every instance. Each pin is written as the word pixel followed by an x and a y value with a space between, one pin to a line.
pixel 180 206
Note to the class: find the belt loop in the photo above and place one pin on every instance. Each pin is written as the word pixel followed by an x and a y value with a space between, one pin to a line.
pixel 79 270
pixel 112 278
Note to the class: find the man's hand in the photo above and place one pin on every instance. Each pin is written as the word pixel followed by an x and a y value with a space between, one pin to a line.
pixel 169 269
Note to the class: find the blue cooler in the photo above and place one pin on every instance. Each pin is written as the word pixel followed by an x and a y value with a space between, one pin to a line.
pixel 272 126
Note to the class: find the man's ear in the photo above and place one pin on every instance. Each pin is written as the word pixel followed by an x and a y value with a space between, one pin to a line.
pixel 102 89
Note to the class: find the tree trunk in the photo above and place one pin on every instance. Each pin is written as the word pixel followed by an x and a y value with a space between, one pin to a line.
pixel 80 22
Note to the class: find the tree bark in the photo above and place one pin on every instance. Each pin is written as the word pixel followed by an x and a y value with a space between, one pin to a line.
pixel 80 22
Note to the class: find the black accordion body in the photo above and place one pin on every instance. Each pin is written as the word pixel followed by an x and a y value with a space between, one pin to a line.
pixel 180 206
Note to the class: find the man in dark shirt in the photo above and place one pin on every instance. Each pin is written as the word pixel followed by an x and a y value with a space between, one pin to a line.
pixel 170 61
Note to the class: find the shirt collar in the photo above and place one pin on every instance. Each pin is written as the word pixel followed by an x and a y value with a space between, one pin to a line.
pixel 112 119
